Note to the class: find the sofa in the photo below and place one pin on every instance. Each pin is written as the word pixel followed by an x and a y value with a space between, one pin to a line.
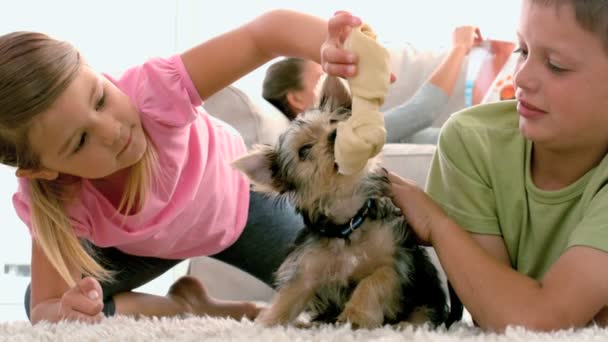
pixel 263 126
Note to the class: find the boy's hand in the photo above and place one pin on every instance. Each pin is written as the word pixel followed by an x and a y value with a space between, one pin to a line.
pixel 83 302
pixel 420 211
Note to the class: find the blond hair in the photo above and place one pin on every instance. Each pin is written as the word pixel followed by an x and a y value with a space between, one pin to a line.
pixel 34 70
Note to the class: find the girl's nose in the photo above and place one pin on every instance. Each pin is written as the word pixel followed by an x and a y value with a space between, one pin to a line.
pixel 109 131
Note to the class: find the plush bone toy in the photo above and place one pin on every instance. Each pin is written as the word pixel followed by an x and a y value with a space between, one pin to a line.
pixel 362 136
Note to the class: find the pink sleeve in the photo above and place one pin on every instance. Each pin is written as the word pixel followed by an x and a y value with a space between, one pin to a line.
pixel 163 90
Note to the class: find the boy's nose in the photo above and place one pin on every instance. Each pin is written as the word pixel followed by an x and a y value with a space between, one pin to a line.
pixel 524 76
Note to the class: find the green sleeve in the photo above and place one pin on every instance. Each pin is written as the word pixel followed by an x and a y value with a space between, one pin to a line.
pixel 592 231
pixel 458 179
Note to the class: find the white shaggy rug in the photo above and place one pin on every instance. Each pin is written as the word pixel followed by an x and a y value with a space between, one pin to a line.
pixel 213 329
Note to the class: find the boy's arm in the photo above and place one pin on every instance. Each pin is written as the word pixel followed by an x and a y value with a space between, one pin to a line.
pixel 446 74
pixel 571 293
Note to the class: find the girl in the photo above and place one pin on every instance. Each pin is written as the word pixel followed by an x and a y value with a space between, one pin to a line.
pixel 521 220
pixel 121 178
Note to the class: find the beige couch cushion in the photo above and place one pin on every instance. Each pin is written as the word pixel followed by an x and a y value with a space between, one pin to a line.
pixel 408 160
pixel 236 108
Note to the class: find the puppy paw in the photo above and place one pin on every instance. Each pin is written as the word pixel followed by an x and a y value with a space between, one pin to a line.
pixel 361 319
pixel 270 318
pixel 302 324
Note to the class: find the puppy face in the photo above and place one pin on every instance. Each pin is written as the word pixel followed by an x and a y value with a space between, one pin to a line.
pixel 302 164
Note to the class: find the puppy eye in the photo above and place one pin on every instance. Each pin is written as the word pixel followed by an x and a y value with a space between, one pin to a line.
pixel 333 121
pixel 331 138
pixel 304 151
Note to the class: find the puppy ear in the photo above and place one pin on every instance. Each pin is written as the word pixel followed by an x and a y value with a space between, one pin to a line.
pixel 335 95
pixel 256 165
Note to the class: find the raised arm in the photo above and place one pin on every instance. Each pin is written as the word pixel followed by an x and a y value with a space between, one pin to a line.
pixel 222 60
pixel 421 110
pixel 446 74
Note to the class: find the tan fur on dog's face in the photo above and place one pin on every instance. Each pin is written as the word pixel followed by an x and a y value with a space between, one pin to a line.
pixel 308 151
pixel 302 165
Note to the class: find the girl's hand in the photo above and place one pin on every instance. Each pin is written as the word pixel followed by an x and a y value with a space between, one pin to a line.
pixel 466 37
pixel 420 211
pixel 337 61
pixel 83 302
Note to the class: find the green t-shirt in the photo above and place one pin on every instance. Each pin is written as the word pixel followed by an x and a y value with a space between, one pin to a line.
pixel 480 175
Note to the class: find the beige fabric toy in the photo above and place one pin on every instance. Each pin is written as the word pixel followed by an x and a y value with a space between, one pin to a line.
pixel 362 136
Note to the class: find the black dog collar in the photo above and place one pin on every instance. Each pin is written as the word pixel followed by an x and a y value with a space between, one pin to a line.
pixel 330 229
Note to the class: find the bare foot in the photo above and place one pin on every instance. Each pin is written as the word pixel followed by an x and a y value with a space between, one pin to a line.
pixel 190 292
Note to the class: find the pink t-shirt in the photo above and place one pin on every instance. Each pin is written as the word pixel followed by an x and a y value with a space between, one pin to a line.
pixel 200 203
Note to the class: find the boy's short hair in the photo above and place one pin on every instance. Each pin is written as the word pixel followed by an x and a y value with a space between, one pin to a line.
pixel 591 15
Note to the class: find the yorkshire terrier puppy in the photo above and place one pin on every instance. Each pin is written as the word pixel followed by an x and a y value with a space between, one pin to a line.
pixel 356 260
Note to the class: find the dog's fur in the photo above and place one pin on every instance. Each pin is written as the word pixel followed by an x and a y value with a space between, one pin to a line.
pixel 377 274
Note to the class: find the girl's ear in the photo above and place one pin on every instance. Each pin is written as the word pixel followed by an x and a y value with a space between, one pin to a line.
pixel 45 174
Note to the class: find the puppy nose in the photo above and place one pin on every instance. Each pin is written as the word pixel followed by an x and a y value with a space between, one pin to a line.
pixel 332 136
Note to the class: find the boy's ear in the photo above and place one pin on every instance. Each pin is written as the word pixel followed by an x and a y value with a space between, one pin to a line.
pixel 45 174
pixel 335 95
pixel 256 165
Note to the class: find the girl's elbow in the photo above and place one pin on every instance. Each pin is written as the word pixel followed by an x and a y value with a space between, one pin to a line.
pixel 493 324
pixel 35 316
pixel 44 312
